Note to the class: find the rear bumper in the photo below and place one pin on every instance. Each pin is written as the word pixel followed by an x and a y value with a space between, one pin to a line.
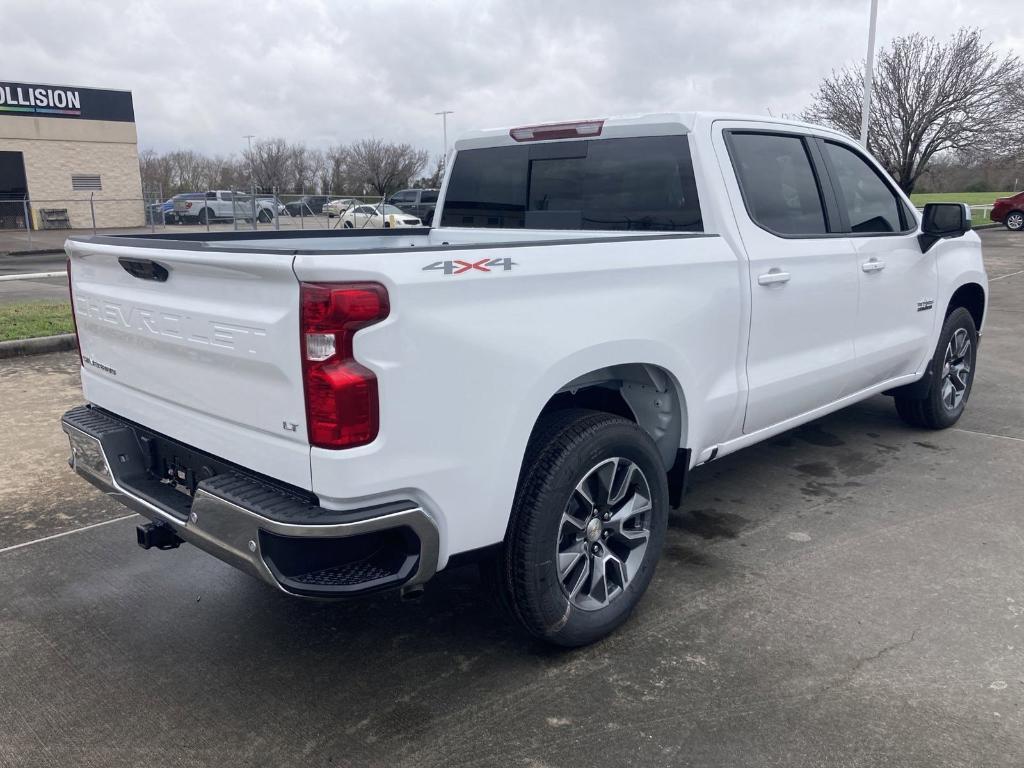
pixel 273 532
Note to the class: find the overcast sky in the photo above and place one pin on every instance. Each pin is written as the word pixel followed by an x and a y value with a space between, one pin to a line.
pixel 204 74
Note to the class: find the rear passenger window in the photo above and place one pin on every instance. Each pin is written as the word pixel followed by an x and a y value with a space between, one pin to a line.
pixel 429 197
pixel 644 183
pixel 869 202
pixel 778 184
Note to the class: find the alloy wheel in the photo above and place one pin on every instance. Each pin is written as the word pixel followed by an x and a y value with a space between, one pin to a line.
pixel 956 369
pixel 603 533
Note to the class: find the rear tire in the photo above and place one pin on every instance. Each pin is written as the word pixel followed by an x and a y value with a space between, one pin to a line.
pixel 953 366
pixel 587 527
pixel 265 216
pixel 1014 221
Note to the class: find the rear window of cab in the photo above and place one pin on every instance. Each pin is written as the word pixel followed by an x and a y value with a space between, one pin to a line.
pixel 644 183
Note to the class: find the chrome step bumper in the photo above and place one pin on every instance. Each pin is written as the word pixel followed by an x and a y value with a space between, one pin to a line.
pixel 257 526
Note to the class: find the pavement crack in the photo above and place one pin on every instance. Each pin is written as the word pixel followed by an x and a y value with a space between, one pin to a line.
pixel 861 662
pixel 864 661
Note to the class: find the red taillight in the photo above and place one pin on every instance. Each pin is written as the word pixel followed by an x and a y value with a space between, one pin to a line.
pixel 342 409
pixel 74 320
pixel 577 130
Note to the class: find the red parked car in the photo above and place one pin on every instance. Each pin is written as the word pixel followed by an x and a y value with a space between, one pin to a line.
pixel 1010 211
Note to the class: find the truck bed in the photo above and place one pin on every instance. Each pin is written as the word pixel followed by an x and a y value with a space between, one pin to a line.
pixel 210 355
pixel 368 240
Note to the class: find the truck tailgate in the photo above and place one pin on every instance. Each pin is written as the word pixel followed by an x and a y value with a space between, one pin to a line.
pixel 200 345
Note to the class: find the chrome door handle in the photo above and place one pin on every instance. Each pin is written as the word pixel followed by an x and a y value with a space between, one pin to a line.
pixel 873 265
pixel 772 277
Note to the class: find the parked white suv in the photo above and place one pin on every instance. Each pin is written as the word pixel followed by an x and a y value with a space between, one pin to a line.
pixel 602 306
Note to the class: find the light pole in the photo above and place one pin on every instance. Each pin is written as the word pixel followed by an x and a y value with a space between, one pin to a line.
pixel 869 65
pixel 444 123
pixel 252 176
pixel 252 183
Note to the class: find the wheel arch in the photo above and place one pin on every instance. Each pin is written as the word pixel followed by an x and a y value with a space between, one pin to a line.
pixel 645 393
pixel 970 296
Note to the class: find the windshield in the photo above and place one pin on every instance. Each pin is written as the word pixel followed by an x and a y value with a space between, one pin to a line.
pixel 390 209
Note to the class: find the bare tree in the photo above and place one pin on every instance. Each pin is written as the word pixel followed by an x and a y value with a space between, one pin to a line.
pixel 386 167
pixel 157 173
pixel 228 172
pixel 274 164
pixel 967 172
pixel 336 175
pixel 315 177
pixel 299 167
pixel 190 170
pixel 929 98
pixel 433 180
pixel 270 161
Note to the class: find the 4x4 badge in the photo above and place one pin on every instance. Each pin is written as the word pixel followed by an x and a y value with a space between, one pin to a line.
pixel 459 267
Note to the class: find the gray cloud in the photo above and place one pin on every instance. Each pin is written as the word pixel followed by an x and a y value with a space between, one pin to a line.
pixel 205 74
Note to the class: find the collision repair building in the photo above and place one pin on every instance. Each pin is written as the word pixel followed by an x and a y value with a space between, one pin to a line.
pixel 71 153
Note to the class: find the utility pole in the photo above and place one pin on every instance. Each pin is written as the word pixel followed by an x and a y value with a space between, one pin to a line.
pixel 869 66
pixel 444 123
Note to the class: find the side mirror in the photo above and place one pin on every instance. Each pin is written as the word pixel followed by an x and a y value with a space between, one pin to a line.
pixel 943 220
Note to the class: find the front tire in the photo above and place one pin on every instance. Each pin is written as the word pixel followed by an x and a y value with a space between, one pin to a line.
pixel 953 367
pixel 1015 221
pixel 587 527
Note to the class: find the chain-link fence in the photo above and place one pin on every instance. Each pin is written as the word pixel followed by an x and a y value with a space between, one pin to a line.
pixel 207 211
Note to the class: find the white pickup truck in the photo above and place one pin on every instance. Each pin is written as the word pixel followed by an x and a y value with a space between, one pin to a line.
pixel 225 205
pixel 599 307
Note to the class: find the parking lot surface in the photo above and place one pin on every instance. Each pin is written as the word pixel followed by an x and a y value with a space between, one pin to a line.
pixel 850 593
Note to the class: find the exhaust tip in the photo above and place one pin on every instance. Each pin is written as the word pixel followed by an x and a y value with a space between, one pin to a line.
pixel 412 593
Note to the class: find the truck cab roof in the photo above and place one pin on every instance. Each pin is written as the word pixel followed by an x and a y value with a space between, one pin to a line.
pixel 622 126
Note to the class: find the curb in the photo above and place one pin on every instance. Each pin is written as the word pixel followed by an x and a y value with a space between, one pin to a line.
pixel 34 252
pixel 39 346
pixel 33 276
